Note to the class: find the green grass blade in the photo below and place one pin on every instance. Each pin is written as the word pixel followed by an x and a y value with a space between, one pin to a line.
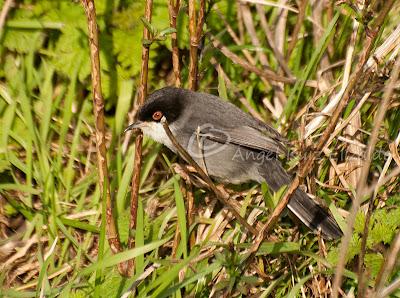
pixel 294 97
pixel 122 257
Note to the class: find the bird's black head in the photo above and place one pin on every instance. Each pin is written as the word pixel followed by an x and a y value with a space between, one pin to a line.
pixel 167 102
pixel 164 102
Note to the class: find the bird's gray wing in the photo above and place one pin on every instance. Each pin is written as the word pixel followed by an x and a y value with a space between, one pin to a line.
pixel 246 136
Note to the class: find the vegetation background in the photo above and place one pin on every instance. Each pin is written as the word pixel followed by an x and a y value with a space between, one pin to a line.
pixel 52 216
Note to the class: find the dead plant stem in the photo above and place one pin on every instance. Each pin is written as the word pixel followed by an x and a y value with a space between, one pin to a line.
pixel 139 136
pixel 98 107
pixel 173 7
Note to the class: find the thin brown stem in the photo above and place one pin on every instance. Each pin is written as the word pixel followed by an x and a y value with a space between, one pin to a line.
pixel 250 27
pixel 247 54
pixel 3 14
pixel 194 45
pixel 362 278
pixel 251 30
pixel 235 38
pixel 270 39
pixel 139 136
pixel 297 27
pixel 191 212
pixel 200 20
pixel 195 31
pixel 175 243
pixel 98 107
pixel 173 7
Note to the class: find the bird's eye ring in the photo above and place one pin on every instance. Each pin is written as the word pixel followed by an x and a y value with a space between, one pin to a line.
pixel 157 115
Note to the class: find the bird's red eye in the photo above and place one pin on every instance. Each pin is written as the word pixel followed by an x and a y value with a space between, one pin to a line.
pixel 157 115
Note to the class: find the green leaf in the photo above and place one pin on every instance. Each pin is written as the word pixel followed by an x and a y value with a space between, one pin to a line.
pixel 149 26
pixel 165 279
pixel 122 257
pixel 23 41
pixel 128 51
pixel 123 225
pixel 373 261
pixel 19 187
pixel 79 224
pixel 296 289
pixel 167 31
pixel 67 56
pixel 221 85
pixel 267 248
pixel 112 285
pixel 359 223
pixel 34 24
pixel 123 104
pixel 190 280
pixel 146 42
pixel 311 66
pixel 181 212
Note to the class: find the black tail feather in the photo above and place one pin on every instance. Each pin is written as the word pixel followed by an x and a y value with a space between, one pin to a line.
pixel 301 205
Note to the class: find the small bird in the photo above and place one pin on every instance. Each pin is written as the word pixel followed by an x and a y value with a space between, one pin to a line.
pixel 230 145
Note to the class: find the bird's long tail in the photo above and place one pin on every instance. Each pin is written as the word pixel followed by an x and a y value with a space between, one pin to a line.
pixel 300 204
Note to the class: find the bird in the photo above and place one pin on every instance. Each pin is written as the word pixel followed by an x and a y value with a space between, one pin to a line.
pixel 230 145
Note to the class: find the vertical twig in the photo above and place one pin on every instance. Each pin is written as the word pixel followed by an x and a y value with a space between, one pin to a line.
pixel 270 39
pixel 297 27
pixel 191 212
pixel 3 14
pixel 362 274
pixel 279 98
pixel 252 32
pixel 98 102
pixel 195 31
pixel 200 22
pixel 193 46
pixel 139 135
pixel 173 7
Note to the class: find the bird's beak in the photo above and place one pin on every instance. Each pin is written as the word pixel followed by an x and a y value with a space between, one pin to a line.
pixel 138 124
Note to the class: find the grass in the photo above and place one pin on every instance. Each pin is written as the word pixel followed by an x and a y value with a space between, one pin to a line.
pixel 52 217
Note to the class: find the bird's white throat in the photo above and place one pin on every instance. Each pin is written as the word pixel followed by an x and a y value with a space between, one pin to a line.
pixel 155 130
